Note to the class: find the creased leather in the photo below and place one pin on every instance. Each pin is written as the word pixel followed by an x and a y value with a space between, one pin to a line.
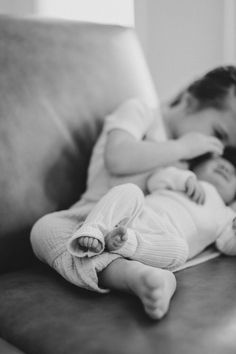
pixel 58 80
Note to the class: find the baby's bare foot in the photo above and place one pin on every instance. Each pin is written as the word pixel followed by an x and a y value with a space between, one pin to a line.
pixel 90 244
pixel 155 289
pixel 116 238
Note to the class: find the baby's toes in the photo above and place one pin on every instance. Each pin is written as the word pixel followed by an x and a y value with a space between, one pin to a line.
pixel 90 242
pixel 81 241
pixel 121 230
pixel 96 246
pixel 153 295
pixel 86 239
pixel 156 309
pixel 119 240
pixel 157 313
pixel 124 237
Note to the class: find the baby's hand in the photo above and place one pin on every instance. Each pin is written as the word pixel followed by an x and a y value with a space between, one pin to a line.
pixel 194 190
pixel 196 144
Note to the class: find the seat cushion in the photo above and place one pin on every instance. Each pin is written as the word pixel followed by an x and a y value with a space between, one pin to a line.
pixel 6 348
pixel 58 81
pixel 43 314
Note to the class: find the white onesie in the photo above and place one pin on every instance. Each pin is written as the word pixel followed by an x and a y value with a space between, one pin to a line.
pixel 164 228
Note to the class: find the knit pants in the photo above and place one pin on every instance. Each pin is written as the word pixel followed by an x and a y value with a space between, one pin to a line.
pixel 152 239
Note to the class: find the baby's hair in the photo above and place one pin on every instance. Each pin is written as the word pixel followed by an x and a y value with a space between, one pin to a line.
pixel 198 160
pixel 211 90
pixel 229 154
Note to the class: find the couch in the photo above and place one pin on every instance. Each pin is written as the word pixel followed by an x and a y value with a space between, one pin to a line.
pixel 58 80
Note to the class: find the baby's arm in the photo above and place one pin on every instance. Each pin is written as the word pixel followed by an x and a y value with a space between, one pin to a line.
pixel 179 180
pixel 226 242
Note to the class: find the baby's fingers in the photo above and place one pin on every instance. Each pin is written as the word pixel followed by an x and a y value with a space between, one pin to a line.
pixel 196 195
pixel 190 185
pixel 199 195
pixel 201 199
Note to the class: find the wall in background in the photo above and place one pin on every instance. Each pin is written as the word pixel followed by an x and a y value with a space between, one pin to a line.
pixel 184 38
pixel 18 7
pixel 229 40
pixel 181 38
pixel 103 11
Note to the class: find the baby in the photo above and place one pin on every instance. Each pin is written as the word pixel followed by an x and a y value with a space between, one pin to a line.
pixel 184 213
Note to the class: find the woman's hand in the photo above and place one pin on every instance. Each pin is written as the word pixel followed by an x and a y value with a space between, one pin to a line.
pixel 196 144
pixel 194 190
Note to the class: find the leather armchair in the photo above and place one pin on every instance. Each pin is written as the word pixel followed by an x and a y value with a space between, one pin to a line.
pixel 58 80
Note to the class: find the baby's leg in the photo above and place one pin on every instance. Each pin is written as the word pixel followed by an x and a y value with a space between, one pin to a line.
pixel 121 203
pixel 155 287
pixel 160 247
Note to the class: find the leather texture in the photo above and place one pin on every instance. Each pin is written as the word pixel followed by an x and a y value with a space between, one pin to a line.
pixel 58 80
pixel 6 348
pixel 42 314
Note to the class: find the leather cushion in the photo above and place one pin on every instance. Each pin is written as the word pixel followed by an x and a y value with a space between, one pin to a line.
pixel 41 313
pixel 58 80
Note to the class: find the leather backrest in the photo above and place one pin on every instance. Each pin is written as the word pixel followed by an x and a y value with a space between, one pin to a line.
pixel 58 80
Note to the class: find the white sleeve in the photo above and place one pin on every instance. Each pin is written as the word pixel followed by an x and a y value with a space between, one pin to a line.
pixel 133 116
pixel 169 178
pixel 226 242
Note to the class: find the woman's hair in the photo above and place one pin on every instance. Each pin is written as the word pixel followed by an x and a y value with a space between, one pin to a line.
pixel 211 90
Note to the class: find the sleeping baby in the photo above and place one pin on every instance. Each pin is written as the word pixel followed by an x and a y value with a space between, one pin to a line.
pixel 185 212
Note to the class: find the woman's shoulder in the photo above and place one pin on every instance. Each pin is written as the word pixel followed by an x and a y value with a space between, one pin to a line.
pixel 137 104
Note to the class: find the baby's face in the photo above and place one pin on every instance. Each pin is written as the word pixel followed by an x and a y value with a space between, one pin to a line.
pixel 221 173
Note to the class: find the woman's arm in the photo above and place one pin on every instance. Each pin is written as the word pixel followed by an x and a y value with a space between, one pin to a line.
pixel 126 155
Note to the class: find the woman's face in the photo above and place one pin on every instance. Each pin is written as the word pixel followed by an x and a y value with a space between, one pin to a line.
pixel 211 121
